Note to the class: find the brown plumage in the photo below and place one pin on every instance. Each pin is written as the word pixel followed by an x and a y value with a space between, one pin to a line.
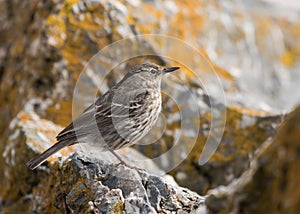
pixel 117 119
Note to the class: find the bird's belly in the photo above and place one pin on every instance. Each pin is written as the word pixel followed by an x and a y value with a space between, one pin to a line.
pixel 141 126
pixel 125 131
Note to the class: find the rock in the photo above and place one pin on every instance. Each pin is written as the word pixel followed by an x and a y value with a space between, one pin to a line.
pixel 244 133
pixel 79 183
pixel 116 188
pixel 271 184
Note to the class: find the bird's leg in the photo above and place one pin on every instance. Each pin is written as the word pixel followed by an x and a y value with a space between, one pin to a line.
pixel 117 156
pixel 120 159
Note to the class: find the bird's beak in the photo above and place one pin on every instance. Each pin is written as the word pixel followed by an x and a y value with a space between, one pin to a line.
pixel 168 70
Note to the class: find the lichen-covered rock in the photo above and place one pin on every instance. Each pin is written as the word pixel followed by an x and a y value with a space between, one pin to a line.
pixel 243 134
pixel 29 134
pixel 108 188
pixel 79 183
pixel 271 185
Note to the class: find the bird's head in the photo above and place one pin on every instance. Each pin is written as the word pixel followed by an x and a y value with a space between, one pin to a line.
pixel 150 72
pixel 152 69
pixel 144 76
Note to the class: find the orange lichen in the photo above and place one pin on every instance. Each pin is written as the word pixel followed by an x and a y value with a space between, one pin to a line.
pixel 67 151
pixel 64 115
pixel 288 59
pixel 188 19
pixel 223 73
pixel 50 132
pixel 130 19
pixel 118 208
pixel 24 116
pixel 35 143
pixel 247 111
pixel 56 29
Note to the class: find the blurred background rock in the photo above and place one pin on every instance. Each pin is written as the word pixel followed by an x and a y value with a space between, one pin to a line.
pixel 253 47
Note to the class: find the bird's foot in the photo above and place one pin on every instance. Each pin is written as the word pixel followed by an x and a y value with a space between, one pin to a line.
pixel 122 162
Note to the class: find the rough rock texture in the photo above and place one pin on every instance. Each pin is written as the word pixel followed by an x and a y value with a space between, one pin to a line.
pixel 80 184
pixel 243 135
pixel 83 184
pixel 271 185
pixel 107 188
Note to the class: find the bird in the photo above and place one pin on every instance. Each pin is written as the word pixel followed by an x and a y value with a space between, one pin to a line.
pixel 117 119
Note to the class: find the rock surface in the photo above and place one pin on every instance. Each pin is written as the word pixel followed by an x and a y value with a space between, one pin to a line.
pixel 80 184
pixel 108 188
pixel 271 185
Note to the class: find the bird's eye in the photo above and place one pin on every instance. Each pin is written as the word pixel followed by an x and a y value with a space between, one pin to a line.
pixel 153 71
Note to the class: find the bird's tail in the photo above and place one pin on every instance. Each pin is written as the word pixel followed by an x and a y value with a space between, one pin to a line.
pixel 35 162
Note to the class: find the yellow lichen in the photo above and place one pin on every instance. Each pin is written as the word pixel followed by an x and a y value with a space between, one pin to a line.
pixel 130 19
pixel 24 116
pixel 247 111
pixel 287 59
pixel 118 208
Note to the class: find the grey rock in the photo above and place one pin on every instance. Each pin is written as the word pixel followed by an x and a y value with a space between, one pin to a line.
pixel 116 188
